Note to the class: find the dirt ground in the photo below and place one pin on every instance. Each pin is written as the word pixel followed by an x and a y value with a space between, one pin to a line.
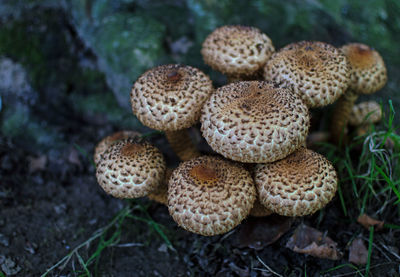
pixel 50 203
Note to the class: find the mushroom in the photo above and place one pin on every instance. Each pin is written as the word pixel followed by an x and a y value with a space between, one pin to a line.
pixel 169 98
pixel 298 185
pixel 130 169
pixel 210 195
pixel 316 70
pixel 102 146
pixel 237 51
pixel 160 194
pixel 364 114
pixel 368 75
pixel 254 122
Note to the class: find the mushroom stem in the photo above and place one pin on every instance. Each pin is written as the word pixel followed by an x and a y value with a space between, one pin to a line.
pixel 341 115
pixel 182 144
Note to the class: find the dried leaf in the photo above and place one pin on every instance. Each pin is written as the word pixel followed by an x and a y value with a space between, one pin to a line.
pixel 358 253
pixel 310 241
pixel 258 232
pixel 368 221
pixel 37 164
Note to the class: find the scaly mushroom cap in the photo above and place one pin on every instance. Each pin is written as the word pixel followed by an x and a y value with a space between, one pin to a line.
pixel 254 122
pixel 170 97
pixel 102 146
pixel 298 185
pixel 210 195
pixel 317 71
pixel 130 169
pixel 365 113
pixel 237 50
pixel 368 70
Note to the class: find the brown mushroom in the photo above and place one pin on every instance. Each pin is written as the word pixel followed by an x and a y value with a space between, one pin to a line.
pixel 254 122
pixel 130 169
pixel 237 51
pixel 210 195
pixel 317 71
pixel 160 194
pixel 169 98
pixel 298 185
pixel 368 75
pixel 363 115
pixel 102 146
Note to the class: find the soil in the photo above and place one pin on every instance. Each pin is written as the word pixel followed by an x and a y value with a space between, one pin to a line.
pixel 50 203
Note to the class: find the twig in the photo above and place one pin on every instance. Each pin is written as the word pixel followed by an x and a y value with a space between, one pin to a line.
pixel 267 267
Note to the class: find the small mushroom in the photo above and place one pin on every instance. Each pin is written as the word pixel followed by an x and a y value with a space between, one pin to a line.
pixel 237 51
pixel 254 122
pixel 316 70
pixel 102 146
pixel 210 195
pixel 169 98
pixel 363 115
pixel 368 75
pixel 297 185
pixel 130 169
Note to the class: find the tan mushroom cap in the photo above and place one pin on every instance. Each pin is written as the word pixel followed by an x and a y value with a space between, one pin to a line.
pixel 365 113
pixel 102 146
pixel 254 122
pixel 318 71
pixel 130 169
pixel 298 185
pixel 237 50
pixel 368 70
pixel 170 97
pixel 210 195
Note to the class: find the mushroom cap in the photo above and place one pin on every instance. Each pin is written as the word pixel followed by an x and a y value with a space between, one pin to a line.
pixel 170 97
pixel 317 71
pixel 365 113
pixel 254 122
pixel 130 169
pixel 237 50
pixel 102 146
pixel 209 195
pixel 368 70
pixel 298 185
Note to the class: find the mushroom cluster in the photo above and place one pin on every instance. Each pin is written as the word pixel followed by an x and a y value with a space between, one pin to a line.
pixel 256 125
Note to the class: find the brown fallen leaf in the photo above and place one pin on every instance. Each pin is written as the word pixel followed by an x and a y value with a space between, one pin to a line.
pixel 37 164
pixel 258 232
pixel 358 253
pixel 367 221
pixel 310 241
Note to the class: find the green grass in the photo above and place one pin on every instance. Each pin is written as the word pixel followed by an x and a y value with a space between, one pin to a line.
pixel 369 180
pixel 106 237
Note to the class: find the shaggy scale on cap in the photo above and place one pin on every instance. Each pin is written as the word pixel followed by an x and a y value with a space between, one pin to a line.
pixel 365 113
pixel 254 122
pixel 170 97
pixel 317 71
pixel 130 169
pixel 368 70
pixel 210 195
pixel 237 50
pixel 102 146
pixel 298 185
